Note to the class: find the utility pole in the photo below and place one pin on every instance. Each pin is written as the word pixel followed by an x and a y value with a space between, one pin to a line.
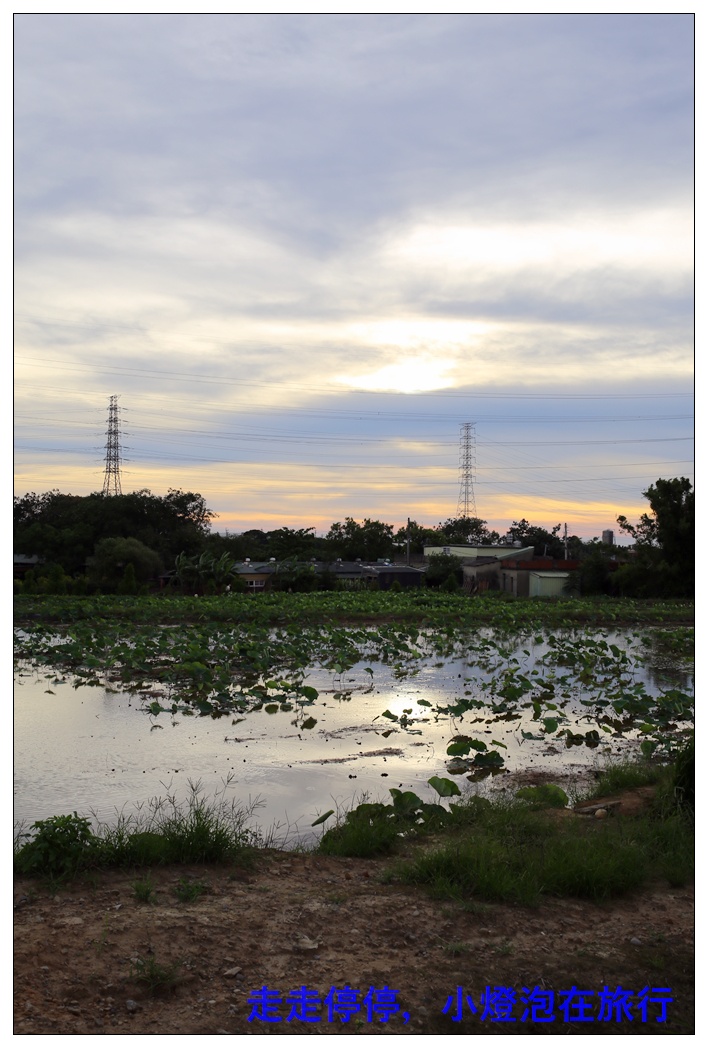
pixel 111 477
pixel 407 545
pixel 466 506
pixel 566 557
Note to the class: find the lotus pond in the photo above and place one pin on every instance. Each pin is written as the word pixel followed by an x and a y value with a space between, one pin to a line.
pixel 109 715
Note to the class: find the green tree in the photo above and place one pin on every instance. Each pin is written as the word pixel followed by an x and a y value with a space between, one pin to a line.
pixel 595 574
pixel 664 538
pixel 371 540
pixel 670 525
pixel 190 508
pixel 255 544
pixel 419 537
pixel 295 575
pixel 112 556
pixel 127 586
pixel 440 568
pixel 288 543
pixel 66 528
pixel 545 543
pixel 465 530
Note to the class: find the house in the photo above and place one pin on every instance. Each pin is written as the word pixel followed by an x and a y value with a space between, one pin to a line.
pixel 386 574
pixel 256 575
pixel 521 576
pixel 21 564
pixel 469 553
pixel 481 574
pixel 542 576
pixel 383 572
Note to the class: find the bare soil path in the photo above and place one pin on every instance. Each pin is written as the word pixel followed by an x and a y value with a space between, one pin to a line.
pixel 304 920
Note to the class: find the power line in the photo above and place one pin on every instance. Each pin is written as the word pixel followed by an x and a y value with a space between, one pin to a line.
pixel 338 388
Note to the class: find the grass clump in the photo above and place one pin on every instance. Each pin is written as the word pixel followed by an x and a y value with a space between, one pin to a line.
pixel 366 831
pixel 371 829
pixel 199 834
pixel 144 890
pixel 164 832
pixel 626 774
pixel 155 977
pixel 506 852
pixel 188 890
pixel 683 777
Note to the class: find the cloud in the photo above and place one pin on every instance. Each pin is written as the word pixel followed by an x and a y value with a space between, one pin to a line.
pixel 327 225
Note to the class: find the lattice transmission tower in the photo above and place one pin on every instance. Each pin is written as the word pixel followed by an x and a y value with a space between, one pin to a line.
pixel 466 506
pixel 111 476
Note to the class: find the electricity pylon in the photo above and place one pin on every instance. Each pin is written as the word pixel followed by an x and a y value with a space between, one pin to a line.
pixel 111 477
pixel 466 506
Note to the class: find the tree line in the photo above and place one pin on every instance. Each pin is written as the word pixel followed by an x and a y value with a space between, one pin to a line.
pixel 105 542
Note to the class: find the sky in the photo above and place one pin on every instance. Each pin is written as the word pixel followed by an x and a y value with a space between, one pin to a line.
pixel 305 250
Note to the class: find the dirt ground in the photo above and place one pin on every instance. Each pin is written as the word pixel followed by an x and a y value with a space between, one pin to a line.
pixel 301 920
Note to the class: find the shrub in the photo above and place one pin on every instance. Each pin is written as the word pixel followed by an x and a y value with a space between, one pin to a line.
pixel 61 845
pixel 684 776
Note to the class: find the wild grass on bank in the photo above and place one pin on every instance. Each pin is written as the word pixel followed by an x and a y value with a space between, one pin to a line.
pixel 162 832
pixel 506 851
pixel 520 849
pixel 626 774
pixel 674 782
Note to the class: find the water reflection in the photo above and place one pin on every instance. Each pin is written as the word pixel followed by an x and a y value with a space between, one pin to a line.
pixel 373 727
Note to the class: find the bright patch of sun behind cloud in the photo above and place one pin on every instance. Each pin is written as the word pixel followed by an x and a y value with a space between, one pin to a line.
pixel 411 375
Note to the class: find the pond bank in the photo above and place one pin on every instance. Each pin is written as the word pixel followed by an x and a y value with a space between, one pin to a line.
pixel 305 920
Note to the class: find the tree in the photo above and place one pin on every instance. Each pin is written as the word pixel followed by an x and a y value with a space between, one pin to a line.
pixel 190 508
pixel 595 574
pixel 466 530
pixel 207 573
pixel 371 540
pixel 441 567
pixel 113 555
pixel 419 537
pixel 666 535
pixel 295 575
pixel 292 543
pixel 544 543
pixel 66 528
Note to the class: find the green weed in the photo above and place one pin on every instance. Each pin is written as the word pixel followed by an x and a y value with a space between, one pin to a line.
pixel 456 948
pixel 625 774
pixel 376 828
pixel 189 890
pixel 60 847
pixel 162 832
pixel 102 940
pixel 683 776
pixel 144 890
pixel 156 977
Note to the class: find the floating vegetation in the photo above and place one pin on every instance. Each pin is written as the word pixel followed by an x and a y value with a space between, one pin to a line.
pixel 535 674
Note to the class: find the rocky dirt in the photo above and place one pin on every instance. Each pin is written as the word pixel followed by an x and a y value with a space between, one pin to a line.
pixel 85 955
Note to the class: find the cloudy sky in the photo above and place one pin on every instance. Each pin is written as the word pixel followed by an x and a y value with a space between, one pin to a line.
pixel 304 250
